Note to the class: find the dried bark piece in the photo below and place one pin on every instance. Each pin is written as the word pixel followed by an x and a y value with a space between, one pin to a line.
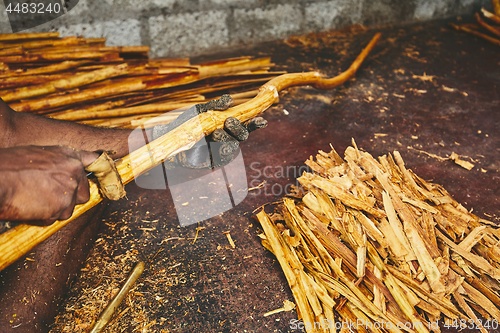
pixel 494 30
pixel 477 33
pixel 65 84
pixel 494 17
pixel 288 264
pixel 336 191
pixel 478 262
pixel 108 178
pixel 464 164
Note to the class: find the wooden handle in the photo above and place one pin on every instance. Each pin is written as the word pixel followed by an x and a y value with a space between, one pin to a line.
pixel 19 240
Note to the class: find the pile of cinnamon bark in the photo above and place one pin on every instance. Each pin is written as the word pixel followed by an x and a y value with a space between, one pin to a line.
pixel 371 247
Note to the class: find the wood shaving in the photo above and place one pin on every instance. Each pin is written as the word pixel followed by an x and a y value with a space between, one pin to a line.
pixel 287 306
pixel 464 164
pixel 424 77
pixel 230 239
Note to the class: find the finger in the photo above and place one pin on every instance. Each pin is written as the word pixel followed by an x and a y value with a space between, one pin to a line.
pixel 255 123
pixel 87 157
pixel 63 214
pixel 78 197
pixel 67 212
pixel 83 190
pixel 234 127
pixel 223 148
pixel 43 223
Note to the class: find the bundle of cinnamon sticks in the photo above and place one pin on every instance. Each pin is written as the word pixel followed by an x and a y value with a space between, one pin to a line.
pixel 83 80
pixel 372 247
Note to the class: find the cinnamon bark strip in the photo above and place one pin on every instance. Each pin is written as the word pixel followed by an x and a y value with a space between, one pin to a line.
pixel 29 35
pixel 39 104
pixel 14 50
pixel 54 57
pixel 288 265
pixel 490 28
pixel 16 82
pixel 53 68
pixel 65 84
pixel 476 33
pixel 491 16
pixel 120 86
pixel 43 43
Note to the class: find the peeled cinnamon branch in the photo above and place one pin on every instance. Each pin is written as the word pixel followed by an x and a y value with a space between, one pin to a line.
pixel 126 111
pixel 65 84
pixel 490 28
pixel 53 68
pixel 12 82
pixel 135 84
pixel 53 57
pixel 66 42
pixel 477 33
pixel 494 17
pixel 30 35
pixel 19 240
pixel 127 85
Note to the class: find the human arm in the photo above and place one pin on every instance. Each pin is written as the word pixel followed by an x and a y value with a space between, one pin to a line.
pixel 42 163
pixel 21 129
pixel 42 184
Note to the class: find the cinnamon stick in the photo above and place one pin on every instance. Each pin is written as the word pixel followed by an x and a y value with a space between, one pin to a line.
pixel 64 84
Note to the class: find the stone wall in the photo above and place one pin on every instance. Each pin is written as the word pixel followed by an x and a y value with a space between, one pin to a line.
pixel 192 27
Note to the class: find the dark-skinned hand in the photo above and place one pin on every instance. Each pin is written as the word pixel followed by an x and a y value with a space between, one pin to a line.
pixel 40 185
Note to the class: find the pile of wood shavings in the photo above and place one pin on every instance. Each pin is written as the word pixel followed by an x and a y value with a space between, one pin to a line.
pixel 103 274
pixel 372 247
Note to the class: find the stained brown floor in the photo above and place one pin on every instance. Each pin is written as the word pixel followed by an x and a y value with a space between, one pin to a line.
pixel 426 89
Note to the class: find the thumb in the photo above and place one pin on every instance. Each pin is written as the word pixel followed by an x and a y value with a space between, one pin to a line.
pixel 87 157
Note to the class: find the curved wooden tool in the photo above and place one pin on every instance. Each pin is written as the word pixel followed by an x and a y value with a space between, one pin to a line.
pixel 19 240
